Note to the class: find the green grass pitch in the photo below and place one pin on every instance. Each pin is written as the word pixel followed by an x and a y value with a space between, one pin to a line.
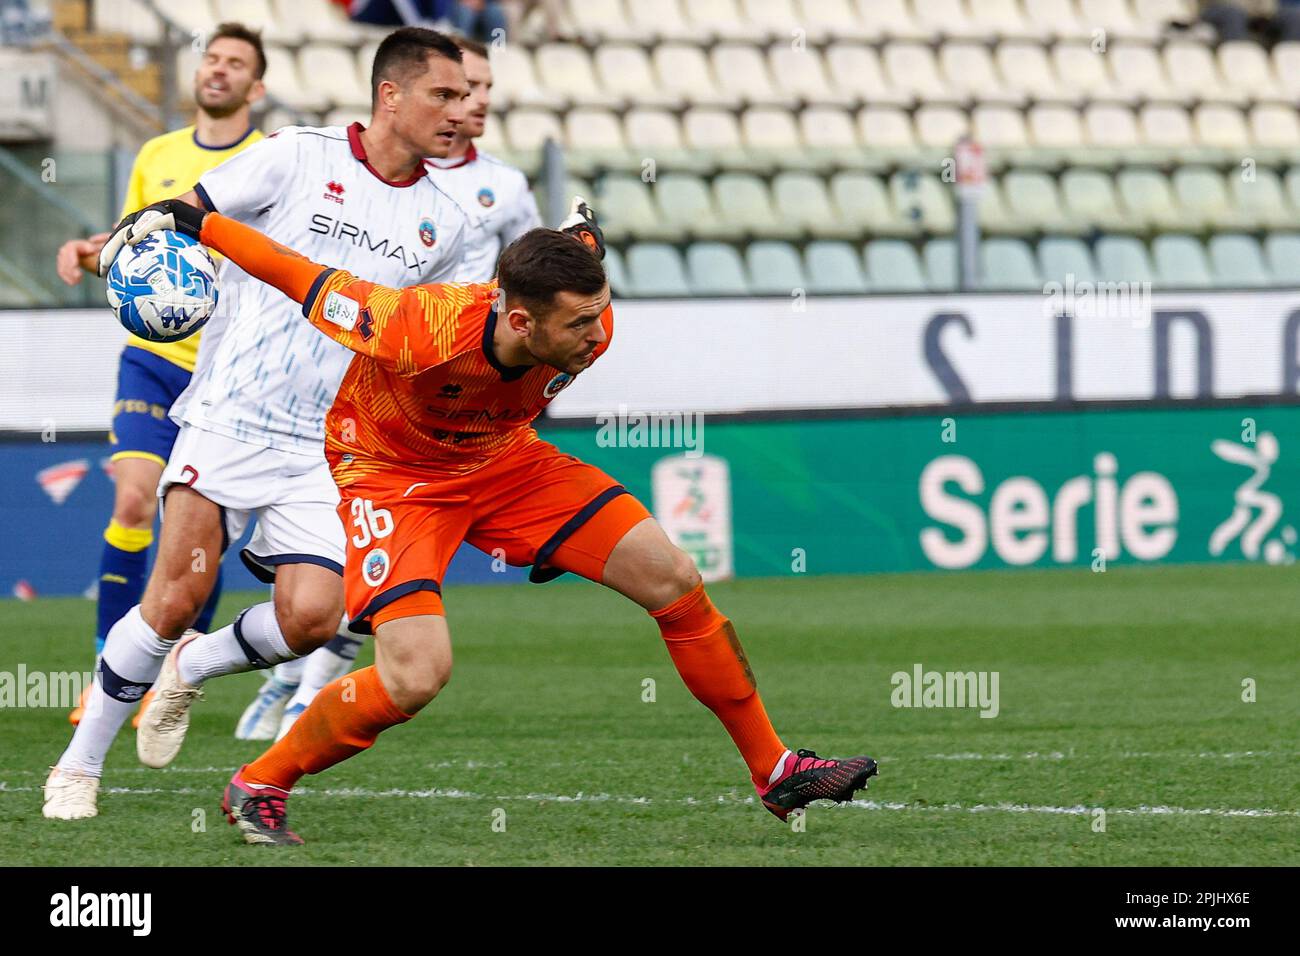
pixel 1120 691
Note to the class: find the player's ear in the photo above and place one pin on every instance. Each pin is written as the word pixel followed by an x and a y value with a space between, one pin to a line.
pixel 520 320
pixel 256 91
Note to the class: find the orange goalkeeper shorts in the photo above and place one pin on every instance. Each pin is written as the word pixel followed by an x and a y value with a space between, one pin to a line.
pixel 535 505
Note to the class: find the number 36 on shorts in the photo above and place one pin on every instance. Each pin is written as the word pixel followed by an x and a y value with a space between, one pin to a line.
pixel 372 523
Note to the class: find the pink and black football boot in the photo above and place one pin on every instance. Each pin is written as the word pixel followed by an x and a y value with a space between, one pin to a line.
pixel 259 812
pixel 805 777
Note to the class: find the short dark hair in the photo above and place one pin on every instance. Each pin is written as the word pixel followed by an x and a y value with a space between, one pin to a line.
pixel 237 31
pixel 468 45
pixel 543 262
pixel 405 52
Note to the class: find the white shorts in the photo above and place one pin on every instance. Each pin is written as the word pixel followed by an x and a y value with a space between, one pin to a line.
pixel 292 496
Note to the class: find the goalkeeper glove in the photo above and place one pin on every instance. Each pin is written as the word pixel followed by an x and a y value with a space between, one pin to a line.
pixel 170 214
pixel 581 225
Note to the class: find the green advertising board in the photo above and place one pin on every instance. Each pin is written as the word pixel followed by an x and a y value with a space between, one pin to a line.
pixel 988 490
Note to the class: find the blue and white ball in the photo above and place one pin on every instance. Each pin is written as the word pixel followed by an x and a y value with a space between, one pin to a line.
pixel 164 288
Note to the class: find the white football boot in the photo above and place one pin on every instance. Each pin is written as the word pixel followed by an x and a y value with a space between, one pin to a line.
pixel 70 795
pixel 164 722
pixel 263 716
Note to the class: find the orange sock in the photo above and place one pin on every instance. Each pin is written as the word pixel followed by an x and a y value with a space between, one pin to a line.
pixel 344 719
pixel 708 656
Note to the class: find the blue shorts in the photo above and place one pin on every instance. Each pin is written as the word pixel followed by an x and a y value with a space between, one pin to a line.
pixel 147 385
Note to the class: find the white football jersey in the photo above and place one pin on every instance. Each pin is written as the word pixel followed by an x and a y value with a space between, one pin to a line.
pixel 497 200
pixel 265 375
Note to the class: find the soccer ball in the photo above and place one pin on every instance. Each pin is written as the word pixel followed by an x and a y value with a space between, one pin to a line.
pixel 164 288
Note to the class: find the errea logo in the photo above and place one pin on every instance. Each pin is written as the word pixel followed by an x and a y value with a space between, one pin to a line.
pixel 77 909
pixel 334 192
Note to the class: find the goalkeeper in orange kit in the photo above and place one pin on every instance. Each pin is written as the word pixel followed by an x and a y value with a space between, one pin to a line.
pixel 431 443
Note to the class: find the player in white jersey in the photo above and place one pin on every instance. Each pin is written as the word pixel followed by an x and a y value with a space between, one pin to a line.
pixel 251 439
pixel 501 208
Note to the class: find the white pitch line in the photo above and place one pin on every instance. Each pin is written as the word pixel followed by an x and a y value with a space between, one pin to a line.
pixel 581 797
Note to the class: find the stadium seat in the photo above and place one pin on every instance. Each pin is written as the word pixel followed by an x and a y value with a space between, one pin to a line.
pixel 131 17
pixel 619 285
pixel 333 70
pixel 1116 18
pixel 714 134
pixel 742 199
pixel 1001 130
pixel 770 133
pixel 1221 128
pixel 1057 134
pixel 1088 198
pixel 1147 197
pixel 774 268
pixel 194 16
pixel 856 70
pixel 1282 252
pixel 775 19
pixel 565 70
pixel 801 201
pixel 924 201
pixel 1027 72
pixel 1180 262
pixel 602 21
pixel 1260 200
pixel 527 131
pixel 714 268
pixel 1111 127
pixel 830 136
pixel 1192 70
pixel 1032 199
pixel 994 216
pixel 686 206
pixel 940 257
pixel 939 127
pixel 655 269
pixel 1166 131
pixel 345 116
pixel 863 201
pixel 741 72
pixel 1286 67
pixel 946 18
pixel 968 69
pixel 1245 68
pixel 322 22
pixel 514 80
pixel 799 74
pixel 833 268
pixel 662 20
pixel 721 20
pixel 1123 259
pixel 911 68
pixel 683 70
pixel 1137 73
pixel 1057 18
pixel 1292 182
pixel 1203 198
pixel 624 71
pixel 1275 127
pixel 1060 258
pixel 1082 74
pixel 887 135
pixel 1004 19
pixel 284 80
pixel 1237 262
pixel 594 139
pixel 260 15
pixel 893 266
pixel 1160 13
pixel 826 19
pixel 656 135
pixel 627 211
pixel 1007 265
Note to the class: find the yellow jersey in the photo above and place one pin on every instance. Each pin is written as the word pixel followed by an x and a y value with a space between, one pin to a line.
pixel 168 166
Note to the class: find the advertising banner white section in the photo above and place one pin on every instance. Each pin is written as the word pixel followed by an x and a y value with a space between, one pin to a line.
pixel 743 355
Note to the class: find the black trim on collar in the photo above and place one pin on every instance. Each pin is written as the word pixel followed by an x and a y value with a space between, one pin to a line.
pixel 508 373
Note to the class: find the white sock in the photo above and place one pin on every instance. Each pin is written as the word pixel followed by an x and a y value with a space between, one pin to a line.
pixel 326 665
pixel 776 771
pixel 289 673
pixel 253 641
pixel 133 656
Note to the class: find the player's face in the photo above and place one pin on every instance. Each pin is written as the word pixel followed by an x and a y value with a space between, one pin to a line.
pixel 225 81
pixel 568 336
pixel 478 73
pixel 431 107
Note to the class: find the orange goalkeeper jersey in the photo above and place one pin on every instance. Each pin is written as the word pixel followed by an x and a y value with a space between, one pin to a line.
pixel 425 387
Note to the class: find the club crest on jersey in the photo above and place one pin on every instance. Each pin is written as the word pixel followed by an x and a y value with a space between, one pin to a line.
pixel 375 567
pixel 486 197
pixel 427 234
pixel 557 385
pixel 334 192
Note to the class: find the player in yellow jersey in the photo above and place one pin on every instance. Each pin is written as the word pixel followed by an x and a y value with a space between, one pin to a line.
pixel 152 374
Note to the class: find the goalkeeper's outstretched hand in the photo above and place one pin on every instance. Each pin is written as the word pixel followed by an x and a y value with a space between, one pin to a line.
pixel 170 214
pixel 581 224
